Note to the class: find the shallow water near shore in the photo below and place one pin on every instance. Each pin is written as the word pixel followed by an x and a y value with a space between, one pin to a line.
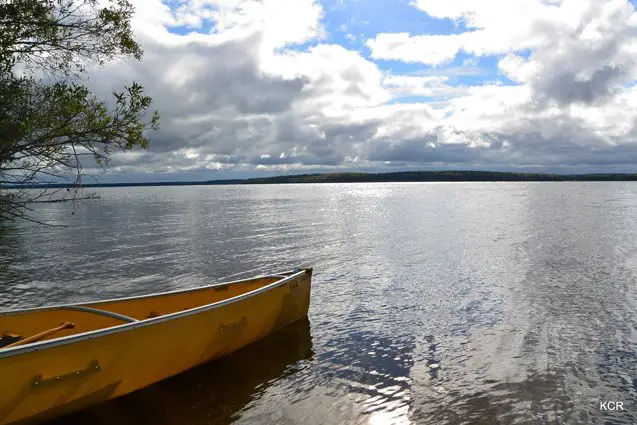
pixel 433 303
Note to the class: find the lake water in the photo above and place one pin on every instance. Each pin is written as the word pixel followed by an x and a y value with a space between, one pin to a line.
pixel 448 303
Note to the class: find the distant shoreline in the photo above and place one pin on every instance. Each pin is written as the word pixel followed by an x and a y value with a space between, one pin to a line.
pixel 398 177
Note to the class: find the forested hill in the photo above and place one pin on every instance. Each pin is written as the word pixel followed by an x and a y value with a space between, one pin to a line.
pixel 412 176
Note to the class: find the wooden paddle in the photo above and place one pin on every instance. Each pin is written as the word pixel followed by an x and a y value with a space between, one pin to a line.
pixel 41 335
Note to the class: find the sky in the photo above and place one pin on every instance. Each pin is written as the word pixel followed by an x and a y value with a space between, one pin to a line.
pixel 268 87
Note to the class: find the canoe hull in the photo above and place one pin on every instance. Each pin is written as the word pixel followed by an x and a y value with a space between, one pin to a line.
pixel 41 384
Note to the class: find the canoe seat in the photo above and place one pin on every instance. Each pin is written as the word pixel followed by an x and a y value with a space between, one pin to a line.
pixel 6 339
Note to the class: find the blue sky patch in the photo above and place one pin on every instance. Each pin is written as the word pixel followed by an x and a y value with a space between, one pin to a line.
pixel 351 23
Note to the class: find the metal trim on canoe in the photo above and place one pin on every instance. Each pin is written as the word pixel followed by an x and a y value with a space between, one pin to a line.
pixel 42 345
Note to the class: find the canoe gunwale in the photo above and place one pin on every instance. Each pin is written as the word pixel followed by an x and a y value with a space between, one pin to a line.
pixel 42 345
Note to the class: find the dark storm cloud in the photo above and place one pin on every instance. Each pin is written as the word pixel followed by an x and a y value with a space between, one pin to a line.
pixel 573 145
pixel 215 77
pixel 535 149
pixel 576 68
pixel 202 91
pixel 420 150
pixel 566 88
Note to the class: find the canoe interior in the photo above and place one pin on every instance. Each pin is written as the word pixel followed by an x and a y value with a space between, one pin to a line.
pixel 25 323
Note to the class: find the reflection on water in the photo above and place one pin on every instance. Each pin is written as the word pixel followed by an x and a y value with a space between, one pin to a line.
pixel 485 303
pixel 216 392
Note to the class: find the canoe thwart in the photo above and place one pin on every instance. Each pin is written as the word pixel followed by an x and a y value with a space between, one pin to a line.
pixel 39 382
pixel 85 309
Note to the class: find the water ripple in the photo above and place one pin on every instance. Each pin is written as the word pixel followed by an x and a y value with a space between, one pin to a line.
pixel 432 303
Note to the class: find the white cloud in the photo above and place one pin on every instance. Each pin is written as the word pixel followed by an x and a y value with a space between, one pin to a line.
pixel 503 26
pixel 339 80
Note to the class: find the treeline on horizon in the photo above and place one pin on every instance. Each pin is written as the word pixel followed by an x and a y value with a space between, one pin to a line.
pixel 437 176
pixel 406 176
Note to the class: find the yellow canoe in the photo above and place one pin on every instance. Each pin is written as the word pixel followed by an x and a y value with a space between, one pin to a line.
pixel 88 353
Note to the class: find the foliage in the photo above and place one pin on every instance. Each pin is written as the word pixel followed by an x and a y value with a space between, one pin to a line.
pixel 50 123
